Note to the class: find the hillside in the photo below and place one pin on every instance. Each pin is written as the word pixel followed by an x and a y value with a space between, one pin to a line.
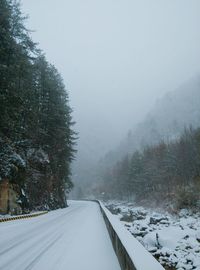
pixel 36 135
pixel 166 121
pixel 171 115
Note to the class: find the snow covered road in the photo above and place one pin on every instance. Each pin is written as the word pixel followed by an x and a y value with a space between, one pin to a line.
pixel 74 238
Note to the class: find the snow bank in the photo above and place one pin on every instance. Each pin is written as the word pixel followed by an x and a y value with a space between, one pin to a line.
pixel 173 240
pixel 140 257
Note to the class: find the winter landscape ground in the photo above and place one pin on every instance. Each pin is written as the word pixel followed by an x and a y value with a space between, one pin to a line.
pixel 73 238
pixel 173 239
pixel 100 102
pixel 76 238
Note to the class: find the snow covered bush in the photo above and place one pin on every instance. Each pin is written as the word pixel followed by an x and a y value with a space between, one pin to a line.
pixel 11 163
pixel 188 197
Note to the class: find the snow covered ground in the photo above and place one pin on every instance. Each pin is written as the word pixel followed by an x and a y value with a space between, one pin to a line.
pixel 73 238
pixel 173 240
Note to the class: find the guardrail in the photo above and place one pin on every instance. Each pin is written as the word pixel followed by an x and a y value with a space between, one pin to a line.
pixel 130 253
pixel 23 216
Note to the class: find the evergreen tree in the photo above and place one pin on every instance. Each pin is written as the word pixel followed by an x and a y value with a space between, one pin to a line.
pixel 35 116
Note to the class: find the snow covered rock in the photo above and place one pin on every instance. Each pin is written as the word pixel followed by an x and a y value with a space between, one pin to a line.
pixel 173 240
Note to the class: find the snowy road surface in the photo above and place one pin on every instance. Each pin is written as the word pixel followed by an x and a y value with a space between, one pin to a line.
pixel 74 238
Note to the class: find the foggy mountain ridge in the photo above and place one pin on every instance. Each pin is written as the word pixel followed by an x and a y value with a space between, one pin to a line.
pixel 172 113
pixel 115 68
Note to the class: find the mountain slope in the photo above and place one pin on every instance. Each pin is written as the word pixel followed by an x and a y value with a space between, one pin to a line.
pixel 170 116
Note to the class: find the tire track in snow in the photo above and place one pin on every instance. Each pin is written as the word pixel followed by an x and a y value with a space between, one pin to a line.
pixel 34 233
pixel 37 258
pixel 45 247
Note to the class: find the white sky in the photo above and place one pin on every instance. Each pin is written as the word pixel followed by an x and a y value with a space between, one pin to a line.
pixel 117 57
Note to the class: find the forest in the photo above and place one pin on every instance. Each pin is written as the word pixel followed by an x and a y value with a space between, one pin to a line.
pixel 99 135
pixel 166 173
pixel 37 140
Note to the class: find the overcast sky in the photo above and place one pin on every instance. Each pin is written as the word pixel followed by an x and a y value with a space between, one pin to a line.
pixel 117 56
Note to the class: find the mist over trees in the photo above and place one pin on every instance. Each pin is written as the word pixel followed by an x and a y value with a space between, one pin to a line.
pixel 167 120
pixel 166 172
pixel 158 157
pixel 36 135
pixel 158 161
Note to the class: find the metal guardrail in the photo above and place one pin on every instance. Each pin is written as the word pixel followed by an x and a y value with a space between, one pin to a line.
pixel 141 260
pixel 23 216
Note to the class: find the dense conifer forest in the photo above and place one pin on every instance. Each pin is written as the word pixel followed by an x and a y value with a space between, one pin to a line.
pixel 36 135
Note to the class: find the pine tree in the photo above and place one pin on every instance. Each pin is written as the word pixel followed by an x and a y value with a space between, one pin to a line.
pixel 35 116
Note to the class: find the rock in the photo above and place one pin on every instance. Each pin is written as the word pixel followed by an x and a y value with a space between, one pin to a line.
pixel 127 218
pixel 164 222
pixel 140 233
pixel 198 237
pixel 140 217
pixel 157 219
pixel 152 249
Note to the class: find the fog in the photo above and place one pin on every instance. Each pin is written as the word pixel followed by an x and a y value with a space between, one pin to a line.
pixel 117 58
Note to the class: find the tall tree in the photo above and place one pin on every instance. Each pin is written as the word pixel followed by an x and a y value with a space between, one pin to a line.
pixel 35 116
